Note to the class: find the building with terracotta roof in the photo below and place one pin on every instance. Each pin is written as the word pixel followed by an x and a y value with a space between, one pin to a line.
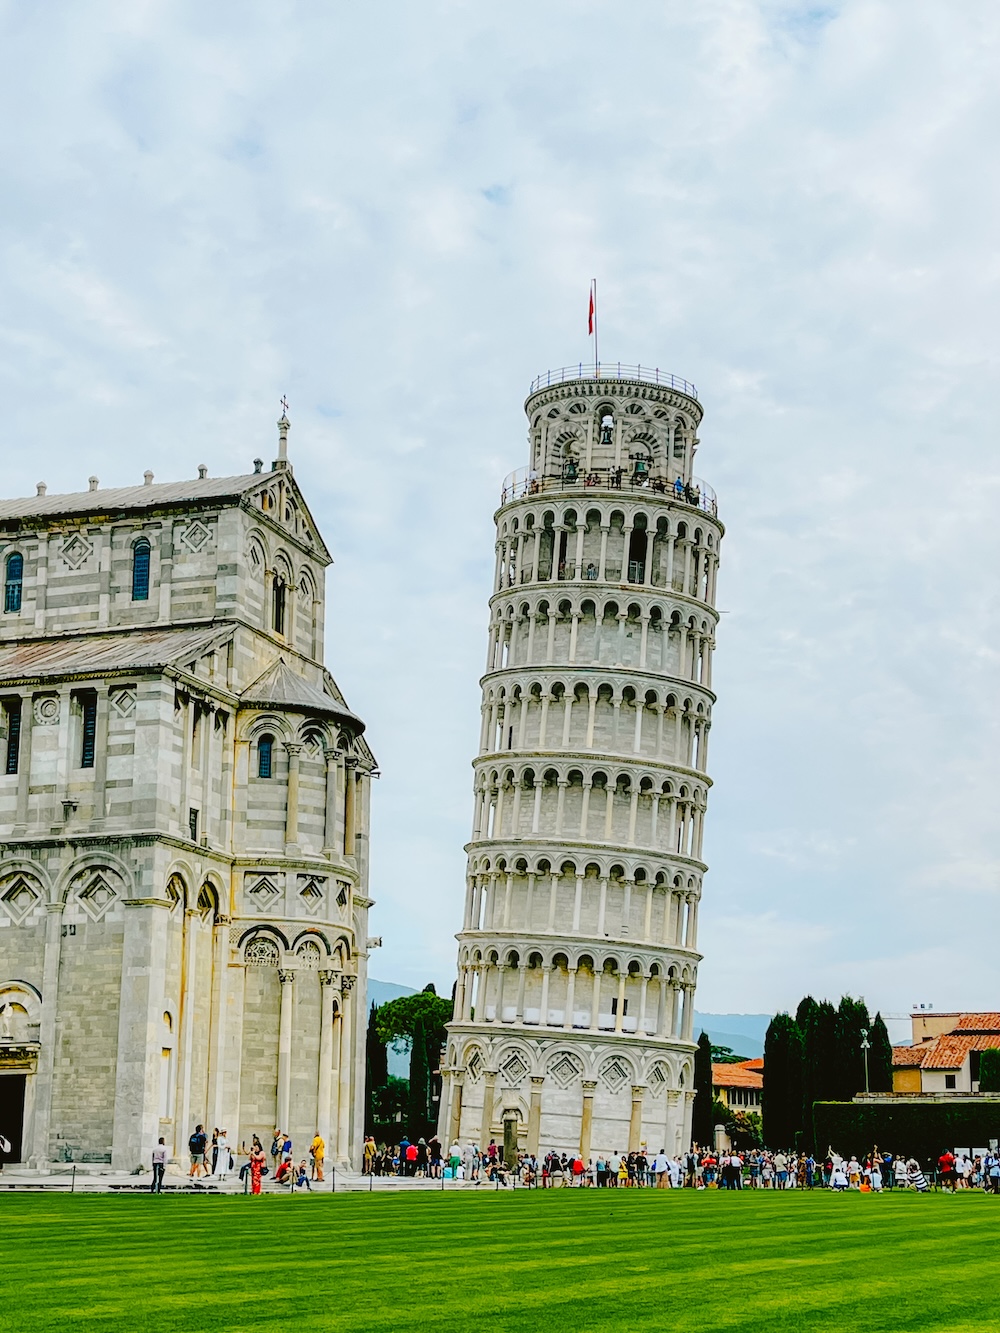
pixel 944 1056
pixel 739 1086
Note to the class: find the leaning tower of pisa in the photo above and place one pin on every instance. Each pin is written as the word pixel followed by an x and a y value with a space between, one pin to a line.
pixel 577 957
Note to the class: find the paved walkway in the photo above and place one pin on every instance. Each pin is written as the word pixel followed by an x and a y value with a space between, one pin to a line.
pixel 102 1180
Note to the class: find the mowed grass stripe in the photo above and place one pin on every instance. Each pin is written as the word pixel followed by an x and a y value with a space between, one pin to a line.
pixel 585 1259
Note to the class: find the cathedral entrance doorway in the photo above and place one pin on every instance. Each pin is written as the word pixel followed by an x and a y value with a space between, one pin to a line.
pixel 12 1113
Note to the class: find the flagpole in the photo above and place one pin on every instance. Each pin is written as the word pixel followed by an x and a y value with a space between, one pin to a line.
pixel 596 359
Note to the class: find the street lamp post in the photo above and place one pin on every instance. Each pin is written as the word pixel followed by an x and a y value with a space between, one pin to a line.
pixel 865 1047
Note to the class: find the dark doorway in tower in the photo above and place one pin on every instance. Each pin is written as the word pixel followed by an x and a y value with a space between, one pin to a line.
pixel 12 1114
pixel 637 556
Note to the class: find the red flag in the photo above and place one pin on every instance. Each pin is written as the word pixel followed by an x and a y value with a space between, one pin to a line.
pixel 590 313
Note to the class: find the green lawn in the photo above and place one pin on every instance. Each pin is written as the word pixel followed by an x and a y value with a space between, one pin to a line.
pixel 559 1260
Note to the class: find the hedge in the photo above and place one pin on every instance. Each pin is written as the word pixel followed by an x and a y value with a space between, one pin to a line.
pixel 914 1129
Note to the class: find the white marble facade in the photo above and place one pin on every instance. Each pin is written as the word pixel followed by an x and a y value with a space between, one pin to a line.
pixel 578 954
pixel 183 824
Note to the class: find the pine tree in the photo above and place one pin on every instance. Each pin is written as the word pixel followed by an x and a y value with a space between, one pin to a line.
pixel 376 1070
pixel 879 1057
pixel 781 1101
pixel 702 1128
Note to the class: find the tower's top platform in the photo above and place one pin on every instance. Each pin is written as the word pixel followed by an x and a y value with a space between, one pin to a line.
pixel 612 370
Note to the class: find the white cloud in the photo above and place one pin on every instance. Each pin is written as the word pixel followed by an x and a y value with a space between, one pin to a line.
pixel 393 212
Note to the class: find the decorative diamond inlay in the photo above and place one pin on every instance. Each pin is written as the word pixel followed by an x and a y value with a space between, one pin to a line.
pixel 123 701
pixel 19 897
pixel 614 1074
pixel 195 535
pixel 262 890
pixel 514 1068
pixel 564 1069
pixel 76 551
pixel 97 895
pixel 474 1067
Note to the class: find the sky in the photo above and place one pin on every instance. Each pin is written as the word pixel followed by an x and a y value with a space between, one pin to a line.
pixel 392 213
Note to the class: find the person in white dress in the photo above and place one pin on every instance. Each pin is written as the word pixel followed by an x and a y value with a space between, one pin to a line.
pixel 222 1160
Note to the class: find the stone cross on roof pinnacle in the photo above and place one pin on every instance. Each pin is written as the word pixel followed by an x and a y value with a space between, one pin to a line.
pixel 283 427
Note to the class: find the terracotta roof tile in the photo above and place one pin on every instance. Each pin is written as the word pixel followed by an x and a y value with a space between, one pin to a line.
pixel 949 1051
pixel 736 1076
pixel 908 1057
pixel 978 1023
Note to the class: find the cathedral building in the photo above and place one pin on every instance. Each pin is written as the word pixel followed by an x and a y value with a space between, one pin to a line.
pixel 184 800
pixel 578 953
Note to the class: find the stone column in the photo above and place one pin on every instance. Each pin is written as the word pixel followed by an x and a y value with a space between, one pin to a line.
pixel 333 1143
pixel 587 1118
pixel 185 1046
pixel 350 803
pixel 635 1124
pixel 455 1127
pixel 293 751
pixel 568 1013
pixel 346 1070
pixel 42 1120
pixel 489 1091
pixel 219 1021
pixel 140 1021
pixel 332 758
pixel 621 1001
pixel 285 1018
pixel 24 763
pixel 675 1010
pixel 324 1096
pixel 535 1115
pixel 101 756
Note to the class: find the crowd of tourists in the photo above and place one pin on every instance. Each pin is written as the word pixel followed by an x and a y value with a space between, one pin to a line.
pixel 214 1159
pixel 696 1169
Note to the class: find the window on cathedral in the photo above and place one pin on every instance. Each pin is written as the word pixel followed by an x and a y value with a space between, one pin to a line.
pixel 278 605
pixel 12 711
pixel 140 571
pixel 193 823
pixel 265 753
pixel 12 582
pixel 88 728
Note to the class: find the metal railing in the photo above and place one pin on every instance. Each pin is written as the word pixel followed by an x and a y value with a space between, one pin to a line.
pixel 612 370
pixel 525 481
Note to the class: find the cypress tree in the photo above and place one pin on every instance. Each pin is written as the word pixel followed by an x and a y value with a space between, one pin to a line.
pixel 702 1129
pixel 419 1083
pixel 879 1057
pixel 781 1101
pixel 823 1056
pixel 806 1018
pixel 376 1070
pixel 989 1070
pixel 849 1062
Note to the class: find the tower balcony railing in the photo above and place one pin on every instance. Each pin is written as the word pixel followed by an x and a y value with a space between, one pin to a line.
pixel 612 370
pixel 526 481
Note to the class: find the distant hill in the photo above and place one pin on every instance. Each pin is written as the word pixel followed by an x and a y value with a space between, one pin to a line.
pixel 742 1033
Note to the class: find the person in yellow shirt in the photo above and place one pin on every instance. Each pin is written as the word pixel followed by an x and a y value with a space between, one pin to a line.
pixel 317 1151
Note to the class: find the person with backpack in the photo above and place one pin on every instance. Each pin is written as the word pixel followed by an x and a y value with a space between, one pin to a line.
pixel 197 1144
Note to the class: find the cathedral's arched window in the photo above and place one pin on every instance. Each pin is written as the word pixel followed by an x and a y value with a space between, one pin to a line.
pixel 265 756
pixel 140 571
pixel 278 604
pixel 12 582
